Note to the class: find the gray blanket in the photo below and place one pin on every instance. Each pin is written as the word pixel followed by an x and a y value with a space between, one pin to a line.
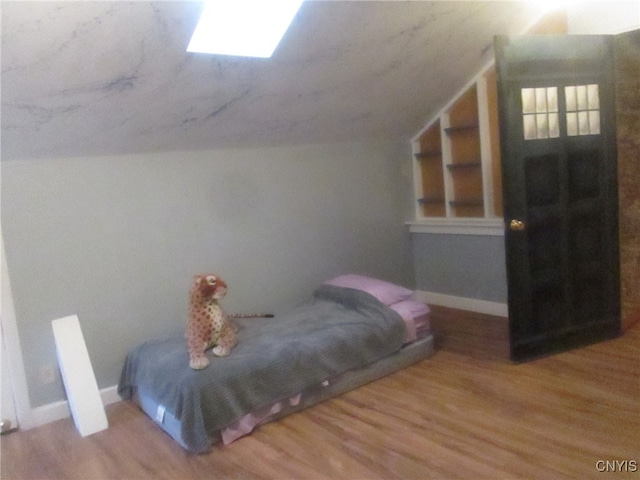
pixel 335 331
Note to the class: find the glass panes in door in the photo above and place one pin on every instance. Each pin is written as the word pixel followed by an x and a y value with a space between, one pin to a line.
pixel 540 113
pixel 541 116
pixel 583 109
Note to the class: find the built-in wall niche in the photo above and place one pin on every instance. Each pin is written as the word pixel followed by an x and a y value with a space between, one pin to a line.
pixel 456 159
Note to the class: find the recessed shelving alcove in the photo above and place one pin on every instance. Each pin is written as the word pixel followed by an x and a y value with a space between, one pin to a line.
pixel 457 164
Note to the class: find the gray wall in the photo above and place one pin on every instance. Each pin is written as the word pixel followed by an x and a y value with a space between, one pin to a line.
pixel 471 266
pixel 116 240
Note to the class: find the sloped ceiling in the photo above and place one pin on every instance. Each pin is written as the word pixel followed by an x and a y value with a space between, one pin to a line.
pixel 98 78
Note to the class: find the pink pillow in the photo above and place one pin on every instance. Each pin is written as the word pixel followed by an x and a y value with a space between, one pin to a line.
pixel 387 293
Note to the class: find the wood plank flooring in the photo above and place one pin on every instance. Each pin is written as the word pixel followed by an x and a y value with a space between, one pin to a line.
pixel 451 416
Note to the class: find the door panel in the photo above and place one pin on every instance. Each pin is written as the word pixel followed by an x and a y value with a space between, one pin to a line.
pixel 556 105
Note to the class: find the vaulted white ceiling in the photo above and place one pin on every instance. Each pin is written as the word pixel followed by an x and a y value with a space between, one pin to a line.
pixel 95 78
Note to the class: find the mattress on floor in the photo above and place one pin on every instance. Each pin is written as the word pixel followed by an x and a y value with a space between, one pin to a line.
pixel 280 364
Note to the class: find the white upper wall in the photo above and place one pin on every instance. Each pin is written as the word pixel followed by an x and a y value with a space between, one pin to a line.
pixel 603 17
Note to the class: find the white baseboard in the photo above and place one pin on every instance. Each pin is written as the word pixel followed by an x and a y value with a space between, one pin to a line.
pixel 464 303
pixel 59 410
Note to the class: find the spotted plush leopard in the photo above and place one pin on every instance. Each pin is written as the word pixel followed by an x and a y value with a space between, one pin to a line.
pixel 208 324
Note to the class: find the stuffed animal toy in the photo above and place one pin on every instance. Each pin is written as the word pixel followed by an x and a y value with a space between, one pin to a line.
pixel 208 324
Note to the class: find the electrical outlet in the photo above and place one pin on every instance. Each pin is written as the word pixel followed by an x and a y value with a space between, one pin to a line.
pixel 48 374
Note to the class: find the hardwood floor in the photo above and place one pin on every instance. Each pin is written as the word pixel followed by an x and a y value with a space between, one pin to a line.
pixel 451 416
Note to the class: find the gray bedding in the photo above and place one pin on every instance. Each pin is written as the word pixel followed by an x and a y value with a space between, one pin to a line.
pixel 335 331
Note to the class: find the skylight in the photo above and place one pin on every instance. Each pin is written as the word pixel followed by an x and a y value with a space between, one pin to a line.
pixel 247 28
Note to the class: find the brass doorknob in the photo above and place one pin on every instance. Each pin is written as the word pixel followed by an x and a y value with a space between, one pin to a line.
pixel 516 225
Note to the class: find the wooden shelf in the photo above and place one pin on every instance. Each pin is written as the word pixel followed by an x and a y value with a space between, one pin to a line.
pixel 467 203
pixel 434 155
pixel 462 128
pixel 458 152
pixel 431 200
pixel 465 163
pixel 430 171
pixel 474 164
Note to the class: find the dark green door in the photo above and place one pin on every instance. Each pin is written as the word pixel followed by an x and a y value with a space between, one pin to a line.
pixel 557 129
